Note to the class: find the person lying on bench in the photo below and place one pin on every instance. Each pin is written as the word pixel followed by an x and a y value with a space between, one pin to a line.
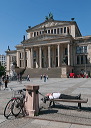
pixel 57 95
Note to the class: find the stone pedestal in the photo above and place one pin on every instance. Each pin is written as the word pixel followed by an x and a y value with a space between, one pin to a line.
pixel 64 72
pixel 32 100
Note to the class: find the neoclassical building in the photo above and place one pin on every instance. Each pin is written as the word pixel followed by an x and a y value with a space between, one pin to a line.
pixel 53 44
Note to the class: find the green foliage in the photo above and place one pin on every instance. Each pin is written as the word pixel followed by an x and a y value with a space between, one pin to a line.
pixel 2 70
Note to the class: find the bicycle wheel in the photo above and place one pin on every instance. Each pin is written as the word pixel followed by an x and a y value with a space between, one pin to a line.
pixel 7 110
pixel 16 107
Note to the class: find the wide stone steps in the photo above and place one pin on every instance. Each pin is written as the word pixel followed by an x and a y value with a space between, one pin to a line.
pixel 35 73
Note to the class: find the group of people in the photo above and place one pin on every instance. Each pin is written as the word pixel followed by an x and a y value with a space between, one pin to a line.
pixel 45 77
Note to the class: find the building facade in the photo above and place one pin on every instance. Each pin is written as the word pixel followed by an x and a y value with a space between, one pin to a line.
pixel 53 44
pixel 3 60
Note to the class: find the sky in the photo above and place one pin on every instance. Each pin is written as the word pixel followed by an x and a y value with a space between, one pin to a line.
pixel 17 15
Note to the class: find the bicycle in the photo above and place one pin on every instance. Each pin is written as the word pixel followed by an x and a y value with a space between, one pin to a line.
pixel 16 104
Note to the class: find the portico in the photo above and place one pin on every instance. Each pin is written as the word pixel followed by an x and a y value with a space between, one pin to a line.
pixel 45 56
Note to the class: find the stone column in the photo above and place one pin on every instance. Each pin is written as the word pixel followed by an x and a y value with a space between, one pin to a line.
pixel 68 54
pixel 71 56
pixel 24 59
pixel 18 59
pixel 58 47
pixel 49 57
pixel 31 57
pixel 8 65
pixel 40 57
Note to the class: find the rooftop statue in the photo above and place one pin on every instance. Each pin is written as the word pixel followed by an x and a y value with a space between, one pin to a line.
pixel 49 17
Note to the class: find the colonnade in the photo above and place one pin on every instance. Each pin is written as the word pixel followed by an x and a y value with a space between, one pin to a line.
pixel 44 56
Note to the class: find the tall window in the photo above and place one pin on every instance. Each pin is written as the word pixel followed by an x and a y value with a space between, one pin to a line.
pixel 68 30
pixel 34 54
pixel 58 31
pixel 54 31
pixel 48 31
pixel 78 59
pixel 61 30
pixel 85 49
pixel 56 52
pixel 66 51
pixel 86 59
pixel 34 34
pixel 42 53
pixel 21 55
pixel 26 55
pixel 81 59
pixel 64 29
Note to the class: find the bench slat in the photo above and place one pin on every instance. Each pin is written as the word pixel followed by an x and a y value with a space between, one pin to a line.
pixel 71 100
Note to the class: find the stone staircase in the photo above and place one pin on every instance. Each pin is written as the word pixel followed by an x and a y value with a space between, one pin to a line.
pixel 37 72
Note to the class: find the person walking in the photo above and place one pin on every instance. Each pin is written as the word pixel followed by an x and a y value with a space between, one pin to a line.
pixel 44 78
pixel 6 81
pixel 28 77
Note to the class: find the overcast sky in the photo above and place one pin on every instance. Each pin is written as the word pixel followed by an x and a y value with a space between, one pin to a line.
pixel 17 15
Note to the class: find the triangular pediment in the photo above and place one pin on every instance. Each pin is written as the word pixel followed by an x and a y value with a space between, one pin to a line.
pixel 51 23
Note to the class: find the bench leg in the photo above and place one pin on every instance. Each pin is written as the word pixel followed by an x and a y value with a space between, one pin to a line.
pixel 51 103
pixel 79 105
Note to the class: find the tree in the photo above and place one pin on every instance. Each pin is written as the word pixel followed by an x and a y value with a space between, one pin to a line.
pixel 2 70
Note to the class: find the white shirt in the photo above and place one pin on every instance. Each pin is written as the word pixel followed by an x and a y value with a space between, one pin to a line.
pixel 55 95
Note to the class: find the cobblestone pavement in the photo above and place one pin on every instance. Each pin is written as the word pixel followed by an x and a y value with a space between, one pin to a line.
pixel 64 115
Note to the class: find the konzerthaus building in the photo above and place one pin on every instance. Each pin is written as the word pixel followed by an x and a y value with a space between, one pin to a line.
pixel 51 45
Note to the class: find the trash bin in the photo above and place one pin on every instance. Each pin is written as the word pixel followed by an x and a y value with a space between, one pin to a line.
pixel 32 100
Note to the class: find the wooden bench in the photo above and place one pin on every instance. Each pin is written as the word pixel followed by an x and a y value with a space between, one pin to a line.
pixel 79 101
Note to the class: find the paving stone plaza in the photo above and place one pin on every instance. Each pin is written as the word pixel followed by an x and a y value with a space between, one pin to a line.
pixel 64 115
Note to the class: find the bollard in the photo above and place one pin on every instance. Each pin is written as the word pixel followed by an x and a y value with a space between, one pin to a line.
pixel 32 100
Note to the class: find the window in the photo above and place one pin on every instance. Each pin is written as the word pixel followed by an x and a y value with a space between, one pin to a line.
pixel 37 33
pixel 34 54
pixel 86 59
pixel 58 31
pixel 56 52
pixel 68 30
pixel 26 63
pixel 81 59
pixel 21 55
pixel 64 29
pixel 26 55
pixel 42 53
pixel 66 51
pixel 34 34
pixel 61 30
pixel 54 31
pixel 40 32
pixel 81 49
pixel 77 49
pixel 48 31
pixel 78 59
pixel 85 49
